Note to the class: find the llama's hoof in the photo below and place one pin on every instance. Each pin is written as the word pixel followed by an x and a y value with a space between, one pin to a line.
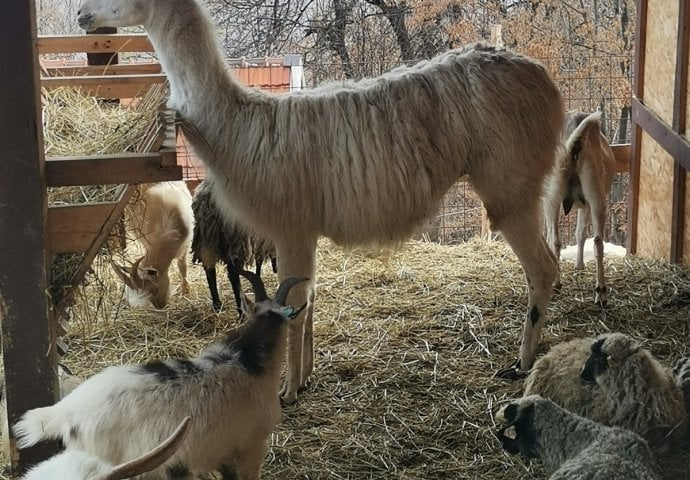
pixel 601 296
pixel 288 396
pixel 513 372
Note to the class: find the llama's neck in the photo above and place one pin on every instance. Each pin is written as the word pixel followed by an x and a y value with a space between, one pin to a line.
pixel 186 43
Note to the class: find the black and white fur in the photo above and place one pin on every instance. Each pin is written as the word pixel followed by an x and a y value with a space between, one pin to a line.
pixel 230 390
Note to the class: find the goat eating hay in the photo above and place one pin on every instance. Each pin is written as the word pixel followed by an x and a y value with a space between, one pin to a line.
pixel 365 162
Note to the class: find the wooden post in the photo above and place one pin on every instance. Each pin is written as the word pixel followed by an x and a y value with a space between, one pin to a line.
pixel 28 337
pixel 102 58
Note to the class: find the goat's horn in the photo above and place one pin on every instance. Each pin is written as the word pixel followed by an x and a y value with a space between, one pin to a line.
pixel 257 285
pixel 153 459
pixel 285 286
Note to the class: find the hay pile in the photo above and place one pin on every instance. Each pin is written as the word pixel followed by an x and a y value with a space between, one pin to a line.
pixel 76 124
pixel 405 351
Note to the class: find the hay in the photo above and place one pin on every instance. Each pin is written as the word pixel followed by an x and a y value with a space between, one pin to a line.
pixel 76 124
pixel 405 351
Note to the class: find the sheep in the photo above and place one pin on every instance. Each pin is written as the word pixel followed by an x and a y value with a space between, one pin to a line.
pixel 78 465
pixel 611 379
pixel 571 446
pixel 230 390
pixel 362 163
pixel 162 220
pixel 581 179
pixel 218 239
pixel 681 374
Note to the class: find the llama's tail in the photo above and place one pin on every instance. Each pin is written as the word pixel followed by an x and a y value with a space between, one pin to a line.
pixel 37 425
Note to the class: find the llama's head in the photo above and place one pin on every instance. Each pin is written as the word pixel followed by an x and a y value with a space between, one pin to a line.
pixel 112 13
pixel 144 285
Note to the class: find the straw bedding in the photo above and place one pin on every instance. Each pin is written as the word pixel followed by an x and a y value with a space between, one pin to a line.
pixel 406 344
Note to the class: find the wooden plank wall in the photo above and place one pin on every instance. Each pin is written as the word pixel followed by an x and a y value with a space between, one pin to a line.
pixel 659 224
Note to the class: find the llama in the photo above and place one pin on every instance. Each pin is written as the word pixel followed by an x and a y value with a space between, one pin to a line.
pixel 162 219
pixel 581 179
pixel 362 163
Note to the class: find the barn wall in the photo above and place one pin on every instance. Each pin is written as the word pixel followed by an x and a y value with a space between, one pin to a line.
pixel 656 190
pixel 655 200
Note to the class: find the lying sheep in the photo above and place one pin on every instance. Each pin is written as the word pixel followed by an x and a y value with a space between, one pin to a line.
pixel 613 380
pixel 230 390
pixel 571 446
pixel 681 374
pixel 219 239
pixel 78 465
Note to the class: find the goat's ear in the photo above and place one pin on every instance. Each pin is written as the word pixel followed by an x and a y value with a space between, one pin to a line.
pixel 123 274
pixel 149 272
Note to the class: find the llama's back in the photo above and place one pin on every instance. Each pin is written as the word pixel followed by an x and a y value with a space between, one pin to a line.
pixel 392 146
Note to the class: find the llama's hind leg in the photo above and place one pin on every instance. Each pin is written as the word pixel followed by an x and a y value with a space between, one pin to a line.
pixel 523 234
pixel 297 258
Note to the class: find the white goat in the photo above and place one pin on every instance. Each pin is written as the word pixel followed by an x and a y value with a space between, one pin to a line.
pixel 581 179
pixel 611 379
pixel 230 390
pixel 573 447
pixel 361 163
pixel 78 465
pixel 162 221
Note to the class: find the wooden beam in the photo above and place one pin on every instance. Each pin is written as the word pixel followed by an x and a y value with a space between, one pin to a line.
pixel 109 169
pixel 675 144
pixel 28 332
pixel 94 43
pixel 636 139
pixel 105 86
pixel 680 102
pixel 110 70
pixel 74 228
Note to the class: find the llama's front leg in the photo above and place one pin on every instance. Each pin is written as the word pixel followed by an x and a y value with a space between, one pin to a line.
pixel 552 210
pixel 523 234
pixel 298 259
pixel 308 341
pixel 182 267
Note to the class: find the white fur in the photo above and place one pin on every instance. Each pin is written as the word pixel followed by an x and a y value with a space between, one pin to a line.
pixel 125 410
pixel 365 162
pixel 592 169
pixel 161 219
